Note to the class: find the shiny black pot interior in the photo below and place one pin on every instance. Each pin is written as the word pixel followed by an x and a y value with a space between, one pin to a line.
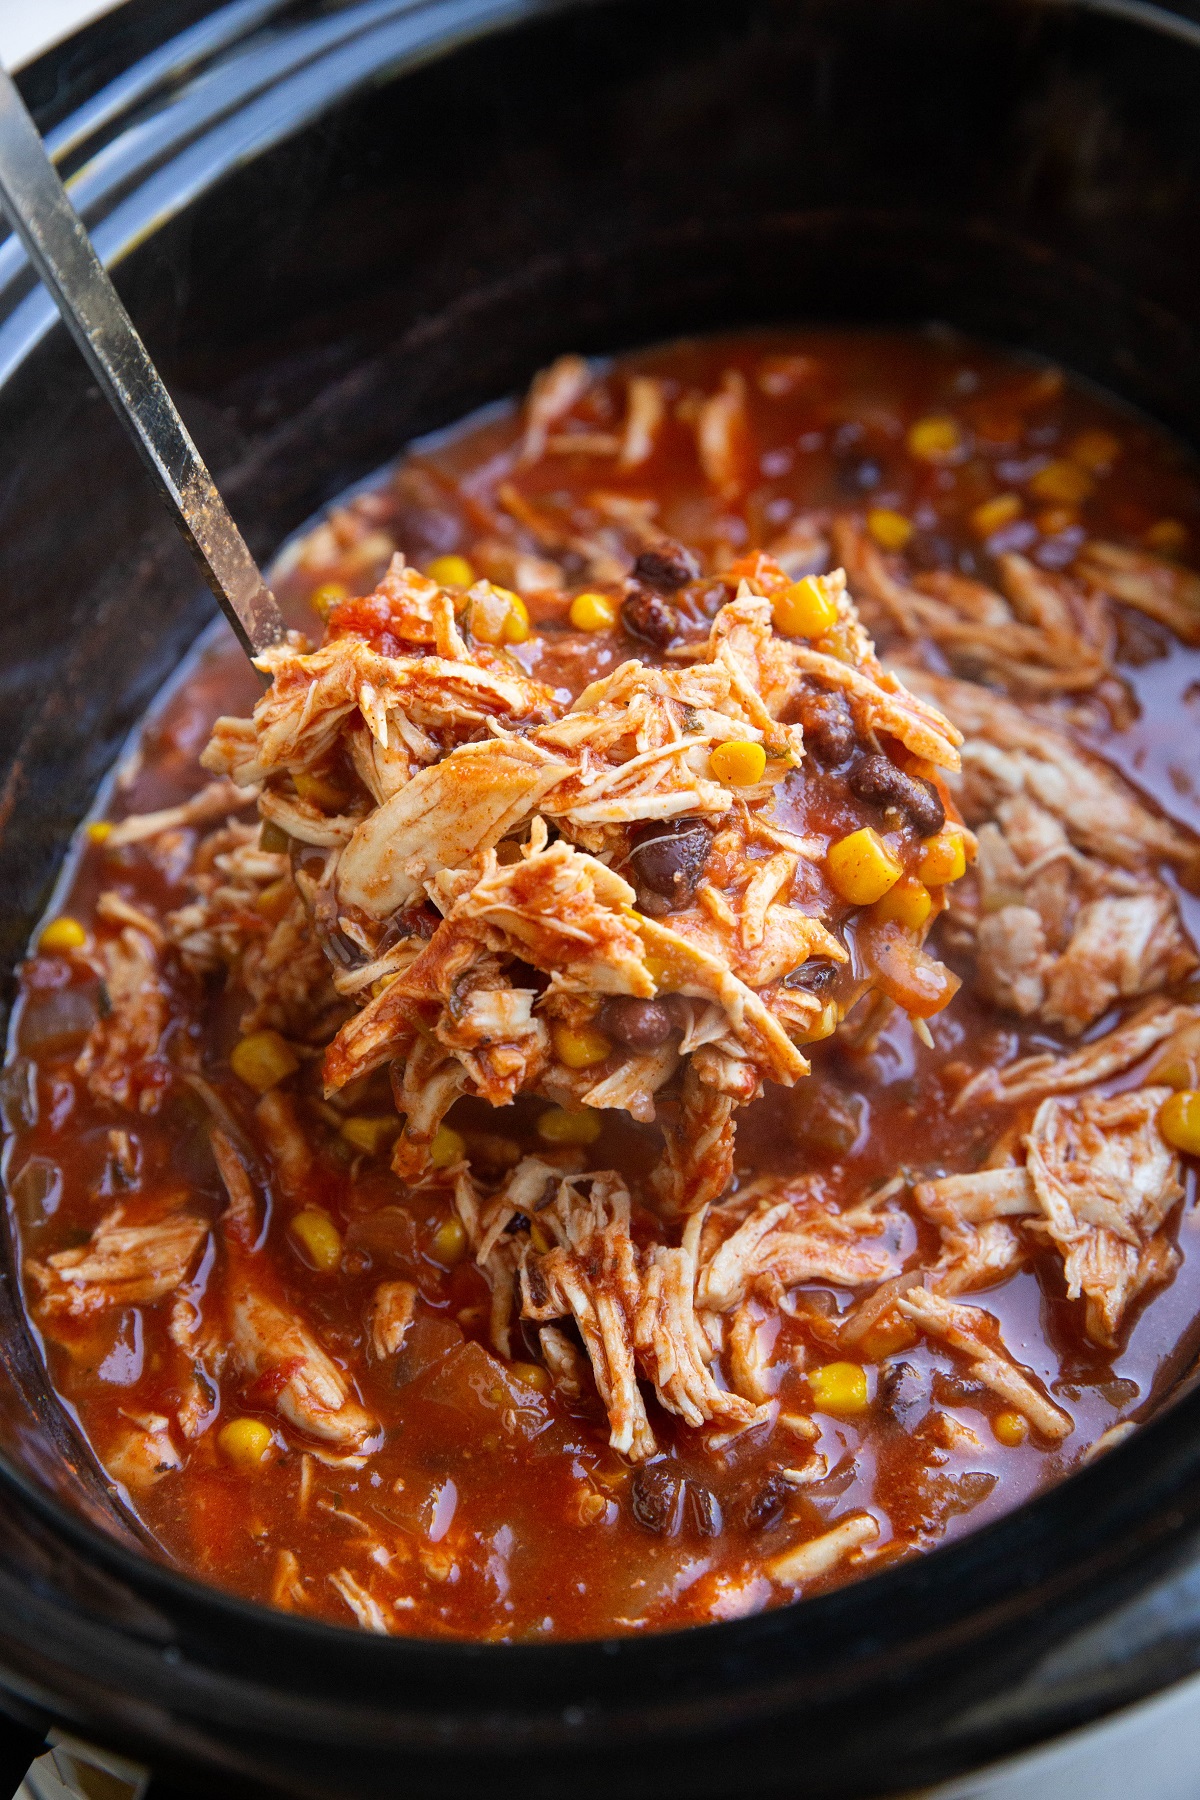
pixel 411 221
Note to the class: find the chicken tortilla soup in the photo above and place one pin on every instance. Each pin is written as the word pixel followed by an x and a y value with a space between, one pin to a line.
pixel 655 1067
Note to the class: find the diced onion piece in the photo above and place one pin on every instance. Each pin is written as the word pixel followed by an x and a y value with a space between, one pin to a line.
pixel 902 970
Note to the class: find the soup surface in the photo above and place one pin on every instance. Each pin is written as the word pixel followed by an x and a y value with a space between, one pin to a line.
pixel 611 1103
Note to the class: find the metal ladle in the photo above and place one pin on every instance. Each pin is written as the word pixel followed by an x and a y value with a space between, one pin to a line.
pixel 63 254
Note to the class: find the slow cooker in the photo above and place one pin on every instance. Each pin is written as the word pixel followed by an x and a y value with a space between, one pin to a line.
pixel 339 226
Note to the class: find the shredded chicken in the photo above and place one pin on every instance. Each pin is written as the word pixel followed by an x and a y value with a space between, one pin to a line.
pixel 1164 590
pixel 1032 1077
pixel 975 1334
pixel 819 1555
pixel 122 1060
pixel 1105 1181
pixel 129 1260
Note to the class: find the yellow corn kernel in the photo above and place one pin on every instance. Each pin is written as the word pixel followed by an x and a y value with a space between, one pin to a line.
pixel 1054 519
pixel 839 1388
pixel 995 513
pixel 539 1237
pixel 1010 1429
pixel 99 831
pixel 891 530
pixel 1063 482
pixel 909 903
pixel 273 838
pixel 1096 451
pixel 593 612
pixel 319 790
pixel 383 983
pixel 263 1060
pixel 861 867
pixel 516 621
pixel 447 1147
pixel 1169 537
pixel 805 609
pixel 62 934
pixel 935 439
pixel 579 1046
pixel 244 1442
pixel 275 901
pixel 450 1242
pixel 318 1237
pixel 943 859
pixel 533 1375
pixel 371 1134
pixel 825 1025
pixel 558 1125
pixel 1179 1121
pixel 738 764
pixel 327 596
pixel 451 571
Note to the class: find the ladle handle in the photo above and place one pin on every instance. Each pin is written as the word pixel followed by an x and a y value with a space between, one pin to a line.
pixel 63 255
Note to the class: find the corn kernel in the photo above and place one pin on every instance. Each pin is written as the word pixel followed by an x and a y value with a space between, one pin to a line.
pixel 318 1237
pixel 533 1375
pixel 861 867
pixel 593 612
pixel 1168 537
pixel 579 1046
pixel 450 1242
pixel 99 831
pixel 1010 1429
pixel 909 903
pixel 244 1443
pixel 839 1388
pixel 1179 1121
pixel 738 764
pixel 995 513
pixel 661 972
pixel 825 1025
pixel 1096 451
pixel 891 530
pixel 319 790
pixel 516 623
pixel 805 609
pixel 943 859
pixel 935 439
pixel 370 1134
pixel 62 934
pixel 263 1060
pixel 886 1336
pixel 1064 482
pixel 539 1237
pixel 275 901
pixel 327 596
pixel 451 571
pixel 274 839
pixel 558 1125
pixel 1054 519
pixel 447 1147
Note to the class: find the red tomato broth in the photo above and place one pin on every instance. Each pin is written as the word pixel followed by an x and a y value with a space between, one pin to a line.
pixel 492 1508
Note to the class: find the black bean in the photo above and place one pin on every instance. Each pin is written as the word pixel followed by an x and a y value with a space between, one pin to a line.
pixel 878 781
pixel 669 858
pixel 666 569
pixel 830 735
pixel 901 1391
pixel 764 1505
pixel 929 551
pixel 656 1499
pixel 646 615
pixel 704 1509
pixel 640 1025
pixel 816 976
